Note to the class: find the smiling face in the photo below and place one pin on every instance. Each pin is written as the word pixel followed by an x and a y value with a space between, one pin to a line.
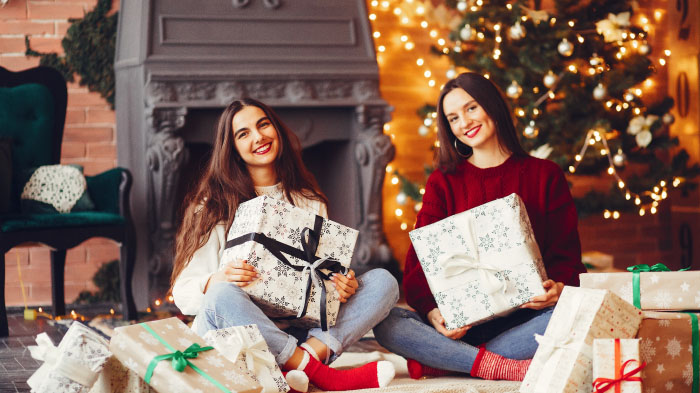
pixel 255 138
pixel 469 121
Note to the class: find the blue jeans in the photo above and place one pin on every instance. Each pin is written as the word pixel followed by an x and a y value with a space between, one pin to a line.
pixel 407 334
pixel 227 305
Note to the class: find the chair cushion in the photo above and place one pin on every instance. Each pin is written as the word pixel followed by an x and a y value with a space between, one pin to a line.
pixel 56 189
pixel 45 221
pixel 5 174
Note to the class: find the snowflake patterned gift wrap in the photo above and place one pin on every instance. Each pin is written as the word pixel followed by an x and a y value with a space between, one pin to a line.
pixel 170 357
pixel 73 366
pixel 481 263
pixel 563 361
pixel 668 343
pixel 653 290
pixel 245 346
pixel 616 362
pixel 294 251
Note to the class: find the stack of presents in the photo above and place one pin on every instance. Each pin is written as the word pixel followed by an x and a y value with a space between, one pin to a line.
pixel 618 332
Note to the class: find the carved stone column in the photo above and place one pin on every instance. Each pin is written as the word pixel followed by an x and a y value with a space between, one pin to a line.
pixel 373 151
pixel 166 154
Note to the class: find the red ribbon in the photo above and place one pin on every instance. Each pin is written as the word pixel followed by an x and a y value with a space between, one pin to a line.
pixel 601 385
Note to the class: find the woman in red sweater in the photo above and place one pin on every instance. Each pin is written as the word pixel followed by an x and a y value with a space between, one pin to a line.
pixel 479 160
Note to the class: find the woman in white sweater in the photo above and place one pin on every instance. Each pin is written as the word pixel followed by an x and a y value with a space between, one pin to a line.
pixel 254 153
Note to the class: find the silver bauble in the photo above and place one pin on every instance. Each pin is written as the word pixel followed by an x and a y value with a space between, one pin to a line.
pixel 550 79
pixel 619 159
pixel 517 31
pixel 466 33
pixel 599 92
pixel 668 118
pixel 531 130
pixel 565 48
pixel 462 6
pixel 514 90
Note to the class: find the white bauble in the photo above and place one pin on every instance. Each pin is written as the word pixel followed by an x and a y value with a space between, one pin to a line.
pixel 423 130
pixel 531 130
pixel 643 138
pixel 462 6
pixel 599 92
pixel 619 159
pixel 517 31
pixel 636 125
pixel 514 90
pixel 466 33
pixel 644 49
pixel 401 198
pixel 550 79
pixel 565 48
pixel 668 118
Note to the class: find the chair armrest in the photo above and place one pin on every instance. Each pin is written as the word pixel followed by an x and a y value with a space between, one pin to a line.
pixel 110 191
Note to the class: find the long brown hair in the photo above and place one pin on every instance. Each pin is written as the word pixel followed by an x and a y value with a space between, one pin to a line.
pixel 490 97
pixel 226 183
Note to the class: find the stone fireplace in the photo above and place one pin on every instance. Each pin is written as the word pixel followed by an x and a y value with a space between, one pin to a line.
pixel 179 63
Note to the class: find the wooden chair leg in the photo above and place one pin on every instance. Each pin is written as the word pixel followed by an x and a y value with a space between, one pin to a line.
pixel 126 272
pixel 4 329
pixel 58 299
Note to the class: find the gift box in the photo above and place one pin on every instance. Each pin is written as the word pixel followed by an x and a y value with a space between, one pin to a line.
pixel 668 343
pixel 116 378
pixel 481 263
pixel 648 289
pixel 73 366
pixel 246 347
pixel 563 360
pixel 294 251
pixel 616 365
pixel 171 358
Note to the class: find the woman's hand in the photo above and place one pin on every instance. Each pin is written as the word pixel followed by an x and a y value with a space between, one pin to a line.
pixel 435 317
pixel 549 299
pixel 237 272
pixel 346 285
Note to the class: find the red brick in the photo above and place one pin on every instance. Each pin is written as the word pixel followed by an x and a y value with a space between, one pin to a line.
pixel 46 44
pixel 18 63
pixel 11 257
pixel 97 241
pixel 75 116
pixel 87 134
pixel 62 28
pixel 49 11
pixel 102 151
pixel 95 167
pixel 80 273
pixel 73 150
pixel 26 27
pixel 72 291
pixel 97 115
pixel 15 9
pixel 76 256
pixel 12 45
pixel 39 295
pixel 85 99
pixel 97 255
pixel 39 256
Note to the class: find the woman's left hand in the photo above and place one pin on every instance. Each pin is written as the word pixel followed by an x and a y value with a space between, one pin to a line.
pixel 346 285
pixel 549 299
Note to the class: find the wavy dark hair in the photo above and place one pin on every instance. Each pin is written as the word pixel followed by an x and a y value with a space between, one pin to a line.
pixel 226 183
pixel 490 97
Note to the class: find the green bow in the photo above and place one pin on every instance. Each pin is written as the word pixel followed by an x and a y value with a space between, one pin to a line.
pixel 636 269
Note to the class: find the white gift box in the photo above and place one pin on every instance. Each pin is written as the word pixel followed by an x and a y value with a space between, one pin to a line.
pixel 246 347
pixel 563 361
pixel 613 363
pixel 481 263
pixel 73 366
pixel 292 250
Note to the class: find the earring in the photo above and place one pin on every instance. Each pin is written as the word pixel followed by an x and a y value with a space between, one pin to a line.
pixel 463 155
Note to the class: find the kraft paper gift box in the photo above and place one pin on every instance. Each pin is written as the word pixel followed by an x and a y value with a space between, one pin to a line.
pixel 616 362
pixel 655 290
pixel 73 366
pixel 563 360
pixel 668 343
pixel 153 349
pixel 481 263
pixel 293 251
pixel 245 346
pixel 116 378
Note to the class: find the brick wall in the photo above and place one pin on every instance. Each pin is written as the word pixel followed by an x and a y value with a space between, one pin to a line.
pixel 88 139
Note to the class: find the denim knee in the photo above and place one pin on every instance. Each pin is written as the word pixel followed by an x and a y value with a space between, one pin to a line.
pixel 385 329
pixel 222 293
pixel 383 284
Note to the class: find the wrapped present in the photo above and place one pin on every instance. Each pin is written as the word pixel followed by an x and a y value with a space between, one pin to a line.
pixel 563 361
pixel 669 344
pixel 294 251
pixel 245 346
pixel 616 365
pixel 73 366
pixel 169 357
pixel 650 287
pixel 116 378
pixel 481 263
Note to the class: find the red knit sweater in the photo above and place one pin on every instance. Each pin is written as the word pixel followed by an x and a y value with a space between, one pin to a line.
pixel 543 188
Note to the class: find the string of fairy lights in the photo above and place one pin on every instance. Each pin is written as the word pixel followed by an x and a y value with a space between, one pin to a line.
pixel 412 13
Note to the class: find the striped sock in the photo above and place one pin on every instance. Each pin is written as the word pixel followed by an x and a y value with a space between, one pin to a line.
pixel 418 370
pixel 489 365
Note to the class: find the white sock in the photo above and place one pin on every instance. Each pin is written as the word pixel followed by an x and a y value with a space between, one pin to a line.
pixel 298 380
pixel 385 373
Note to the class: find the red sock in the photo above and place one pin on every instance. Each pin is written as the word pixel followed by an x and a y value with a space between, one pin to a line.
pixel 417 370
pixel 489 365
pixel 371 375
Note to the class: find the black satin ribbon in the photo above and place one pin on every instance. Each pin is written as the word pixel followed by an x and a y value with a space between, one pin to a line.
pixel 309 243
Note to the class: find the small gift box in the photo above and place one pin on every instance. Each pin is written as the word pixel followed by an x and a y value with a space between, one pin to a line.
pixel 116 378
pixel 616 366
pixel 650 287
pixel 245 346
pixel 563 361
pixel 294 251
pixel 168 356
pixel 481 263
pixel 670 346
pixel 71 367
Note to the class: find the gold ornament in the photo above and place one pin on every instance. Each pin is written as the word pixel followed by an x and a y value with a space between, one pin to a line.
pixel 531 130
pixel 550 79
pixel 565 48
pixel 514 90
pixel 619 158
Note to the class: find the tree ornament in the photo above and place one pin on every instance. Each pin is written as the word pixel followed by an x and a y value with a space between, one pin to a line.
pixel 550 79
pixel 612 28
pixel 643 138
pixel 451 73
pixel 466 33
pixel 423 130
pixel 565 48
pixel 668 119
pixel 644 49
pixel 428 121
pixel 531 130
pixel 462 6
pixel 401 198
pixel 629 97
pixel 514 90
pixel 595 60
pixel 599 92
pixel 619 159
pixel 517 31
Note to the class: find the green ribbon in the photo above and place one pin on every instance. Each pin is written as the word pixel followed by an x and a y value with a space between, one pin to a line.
pixel 696 350
pixel 636 269
pixel 179 359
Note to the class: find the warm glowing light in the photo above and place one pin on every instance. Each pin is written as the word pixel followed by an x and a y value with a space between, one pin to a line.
pixel 420 61
pixel 398 212
pixel 621 184
pixel 578 157
pixel 628 196
pixel 480 35
pixel 616 214
pixel 571 23
pixel 676 182
pixel 404 226
pixel 487 76
pixel 372 16
pixel 572 68
pixel 404 38
pixel 591 141
pixel 41 309
pixel 611 171
pixel 607 213
pixel 662 62
pixel 374 3
pixel 520 112
pixel 427 74
pixel 424 24
pixel 658 14
pixel 667 52
pixel 653 210
pixel 637 201
pixel 499 39
pixel 572 169
pixel 664 194
pixel 148 309
pixel 385 4
pixel 641 212
pixel 389 168
pixel 405 20
pixel 377 34
pixel 551 94
pixel 662 183
pixel 580 39
pixel 397 11
pixel 656 189
pixel 618 107
pixel 509 6
pixel 637 111
pixel 648 83
pixel 157 302
pixel 441 41
pixel 409 45
pixel 111 311
pixel 394 180
pixel 431 83
pixel 433 33
pixel 644 20
pixel 420 10
pixel 381 48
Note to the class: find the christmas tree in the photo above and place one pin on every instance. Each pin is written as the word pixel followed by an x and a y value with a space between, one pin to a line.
pixel 577 76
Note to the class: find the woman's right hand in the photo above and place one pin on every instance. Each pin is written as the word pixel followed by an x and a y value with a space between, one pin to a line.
pixel 435 317
pixel 237 272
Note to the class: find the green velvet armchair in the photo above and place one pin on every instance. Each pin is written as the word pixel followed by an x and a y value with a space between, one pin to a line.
pixel 32 115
